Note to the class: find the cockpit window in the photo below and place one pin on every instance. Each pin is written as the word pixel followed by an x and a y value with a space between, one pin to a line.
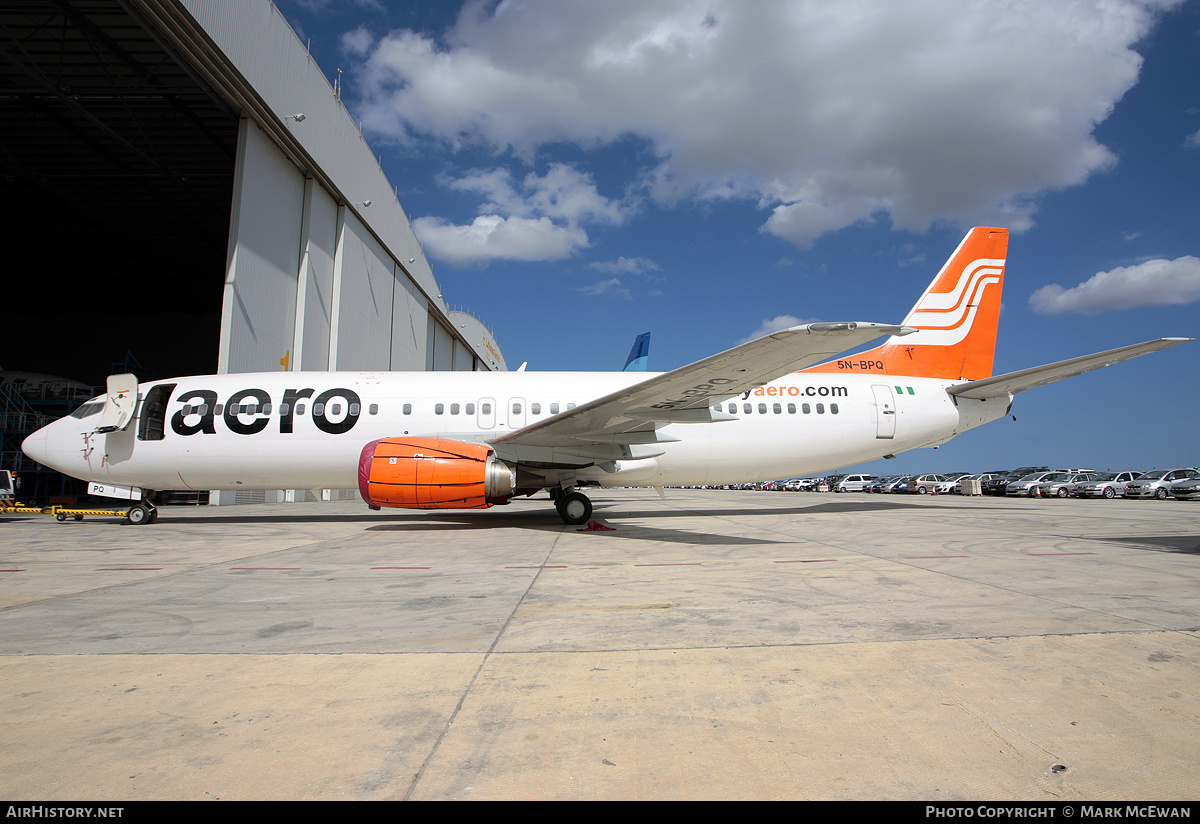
pixel 88 409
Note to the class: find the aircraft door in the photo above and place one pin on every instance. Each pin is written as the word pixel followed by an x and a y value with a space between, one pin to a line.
pixel 487 413
pixel 152 419
pixel 120 404
pixel 885 411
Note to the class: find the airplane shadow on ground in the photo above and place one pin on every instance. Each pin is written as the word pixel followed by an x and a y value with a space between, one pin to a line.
pixel 1186 544
pixel 547 520
pixel 619 519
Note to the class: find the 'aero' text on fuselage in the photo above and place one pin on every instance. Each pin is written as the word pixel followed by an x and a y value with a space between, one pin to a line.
pixel 247 411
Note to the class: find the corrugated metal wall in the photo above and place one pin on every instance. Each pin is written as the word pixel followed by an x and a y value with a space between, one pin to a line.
pixel 310 287
pixel 316 278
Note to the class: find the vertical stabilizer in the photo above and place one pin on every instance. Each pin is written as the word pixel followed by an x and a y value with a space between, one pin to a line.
pixel 956 319
pixel 639 355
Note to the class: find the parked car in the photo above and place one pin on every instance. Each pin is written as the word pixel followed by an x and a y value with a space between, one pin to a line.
pixel 1064 488
pixel 1157 484
pixel 948 486
pixel 999 485
pixel 1031 484
pixel 924 484
pixel 1106 485
pixel 853 483
pixel 1188 490
pixel 900 484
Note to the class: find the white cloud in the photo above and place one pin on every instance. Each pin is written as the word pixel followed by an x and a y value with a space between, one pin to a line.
pixel 1192 141
pixel 1153 283
pixel 535 220
pixel 562 193
pixel 357 42
pixel 774 324
pixel 612 286
pixel 626 266
pixel 491 237
pixel 826 113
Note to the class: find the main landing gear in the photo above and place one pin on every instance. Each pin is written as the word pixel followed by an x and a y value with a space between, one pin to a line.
pixel 573 507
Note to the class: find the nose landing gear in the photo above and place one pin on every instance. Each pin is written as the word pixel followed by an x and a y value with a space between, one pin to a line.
pixel 143 513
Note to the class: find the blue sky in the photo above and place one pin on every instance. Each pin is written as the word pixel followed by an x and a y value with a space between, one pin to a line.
pixel 710 170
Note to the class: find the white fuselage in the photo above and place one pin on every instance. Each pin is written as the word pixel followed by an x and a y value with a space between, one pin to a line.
pixel 305 430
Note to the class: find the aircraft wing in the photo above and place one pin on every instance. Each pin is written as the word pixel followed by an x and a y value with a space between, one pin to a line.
pixel 686 395
pixel 1042 375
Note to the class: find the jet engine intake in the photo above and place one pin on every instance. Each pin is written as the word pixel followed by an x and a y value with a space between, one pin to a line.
pixel 432 473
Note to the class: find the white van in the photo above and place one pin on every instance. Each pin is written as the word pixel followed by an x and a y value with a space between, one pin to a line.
pixel 854 483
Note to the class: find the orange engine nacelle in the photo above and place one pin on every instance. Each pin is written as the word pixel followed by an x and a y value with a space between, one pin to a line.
pixel 431 473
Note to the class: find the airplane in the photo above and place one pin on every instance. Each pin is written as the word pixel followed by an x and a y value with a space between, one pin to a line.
pixel 783 405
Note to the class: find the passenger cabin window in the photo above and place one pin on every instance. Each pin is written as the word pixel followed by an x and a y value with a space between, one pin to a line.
pixel 470 409
pixel 439 409
pixel 535 408
pixel 408 409
pixel 553 409
pixel 454 408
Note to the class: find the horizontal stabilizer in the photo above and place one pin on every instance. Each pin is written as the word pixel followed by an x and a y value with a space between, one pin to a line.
pixel 1015 382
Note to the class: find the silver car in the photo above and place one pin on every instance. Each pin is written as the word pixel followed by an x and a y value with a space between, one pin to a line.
pixel 1106 485
pixel 1188 490
pixel 1157 484
pixel 1065 487
pixel 924 484
pixel 1031 484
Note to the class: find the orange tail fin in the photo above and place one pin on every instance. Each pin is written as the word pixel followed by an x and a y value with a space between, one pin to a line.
pixel 956 319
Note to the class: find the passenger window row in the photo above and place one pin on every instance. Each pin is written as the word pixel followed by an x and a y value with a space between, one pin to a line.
pixel 777 409
pixel 254 409
pixel 486 408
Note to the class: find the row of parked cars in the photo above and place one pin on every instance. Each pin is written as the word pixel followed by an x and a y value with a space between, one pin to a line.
pixel 1036 481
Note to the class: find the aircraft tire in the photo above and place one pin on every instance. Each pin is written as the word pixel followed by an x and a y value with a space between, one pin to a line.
pixel 575 508
pixel 138 515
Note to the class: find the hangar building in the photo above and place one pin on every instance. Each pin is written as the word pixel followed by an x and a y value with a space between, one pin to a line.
pixel 179 178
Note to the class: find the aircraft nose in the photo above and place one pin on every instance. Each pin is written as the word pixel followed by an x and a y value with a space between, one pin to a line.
pixel 35 447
